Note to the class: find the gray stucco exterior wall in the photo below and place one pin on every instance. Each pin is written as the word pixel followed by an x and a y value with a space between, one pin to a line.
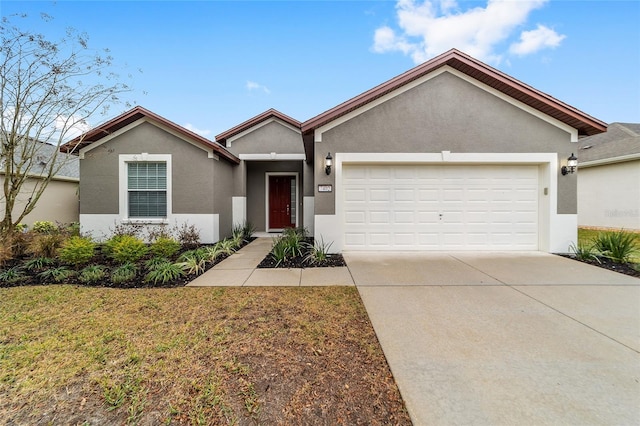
pixel 192 171
pixel 271 137
pixel 445 113
pixel 222 191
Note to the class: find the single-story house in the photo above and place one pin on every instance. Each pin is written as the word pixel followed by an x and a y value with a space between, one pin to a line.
pixel 450 155
pixel 59 201
pixel 609 178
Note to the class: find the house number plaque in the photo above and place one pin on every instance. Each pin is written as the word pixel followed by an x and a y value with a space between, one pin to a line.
pixel 325 188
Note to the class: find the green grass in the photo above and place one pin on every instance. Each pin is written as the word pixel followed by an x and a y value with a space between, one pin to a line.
pixel 587 237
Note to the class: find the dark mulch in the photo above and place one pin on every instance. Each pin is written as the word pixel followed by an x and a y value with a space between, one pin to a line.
pixel 603 262
pixel 302 261
pixel 32 278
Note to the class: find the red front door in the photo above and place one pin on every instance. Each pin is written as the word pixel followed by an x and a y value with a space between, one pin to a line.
pixel 280 202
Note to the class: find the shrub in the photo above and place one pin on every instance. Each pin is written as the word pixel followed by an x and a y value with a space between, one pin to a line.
pixel 123 273
pixel 71 229
pixel 44 227
pixel 6 251
pixel 21 227
pixel 165 246
pixel 92 274
pixel 188 236
pixel 126 248
pixel 46 244
pixel 77 250
pixel 617 246
pixel 57 275
pixel 163 273
pixel 14 245
pixel 156 232
pixel 131 229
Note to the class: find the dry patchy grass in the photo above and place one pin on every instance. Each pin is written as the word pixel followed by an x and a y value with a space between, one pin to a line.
pixel 75 355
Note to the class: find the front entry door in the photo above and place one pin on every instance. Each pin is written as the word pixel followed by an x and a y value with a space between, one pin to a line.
pixel 281 189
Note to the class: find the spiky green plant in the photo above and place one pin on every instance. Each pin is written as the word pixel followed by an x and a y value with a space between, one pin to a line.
pixel 319 252
pixel 192 265
pixel 92 274
pixel 163 273
pixel 38 263
pixel 57 275
pixel 584 252
pixel 123 273
pixel 12 275
pixel 617 246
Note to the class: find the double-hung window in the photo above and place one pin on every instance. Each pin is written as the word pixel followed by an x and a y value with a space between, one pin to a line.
pixel 147 189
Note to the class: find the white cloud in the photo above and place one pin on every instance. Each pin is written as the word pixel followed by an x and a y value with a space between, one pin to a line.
pixel 431 27
pixel 70 127
pixel 534 40
pixel 252 85
pixel 194 129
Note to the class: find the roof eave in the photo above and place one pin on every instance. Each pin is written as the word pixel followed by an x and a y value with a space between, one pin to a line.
pixel 270 113
pixel 585 124
pixel 107 128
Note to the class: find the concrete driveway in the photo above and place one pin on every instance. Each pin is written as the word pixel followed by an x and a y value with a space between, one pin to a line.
pixel 504 338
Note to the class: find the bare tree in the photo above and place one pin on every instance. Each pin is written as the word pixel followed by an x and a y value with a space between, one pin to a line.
pixel 48 90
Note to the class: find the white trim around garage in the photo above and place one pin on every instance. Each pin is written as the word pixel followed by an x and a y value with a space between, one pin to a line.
pixel 556 231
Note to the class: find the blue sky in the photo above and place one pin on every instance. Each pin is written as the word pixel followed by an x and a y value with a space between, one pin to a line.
pixel 209 65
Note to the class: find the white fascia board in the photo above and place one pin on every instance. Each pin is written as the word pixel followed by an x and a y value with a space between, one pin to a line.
pixel 613 160
pixel 446 157
pixel 272 157
pixel 136 123
pixel 318 133
pixel 259 125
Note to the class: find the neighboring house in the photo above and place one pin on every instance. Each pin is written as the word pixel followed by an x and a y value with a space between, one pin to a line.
pixel 451 155
pixel 609 178
pixel 59 202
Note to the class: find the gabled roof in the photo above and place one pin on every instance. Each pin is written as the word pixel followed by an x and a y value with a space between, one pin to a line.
pixel 133 115
pixel 268 114
pixel 585 124
pixel 621 142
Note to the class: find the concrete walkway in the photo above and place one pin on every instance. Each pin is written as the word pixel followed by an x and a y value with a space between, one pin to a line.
pixel 505 338
pixel 239 269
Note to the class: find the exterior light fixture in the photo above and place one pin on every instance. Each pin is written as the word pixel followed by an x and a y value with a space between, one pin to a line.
pixel 572 165
pixel 328 162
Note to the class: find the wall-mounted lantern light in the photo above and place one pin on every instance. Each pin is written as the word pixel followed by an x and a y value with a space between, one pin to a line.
pixel 572 165
pixel 328 162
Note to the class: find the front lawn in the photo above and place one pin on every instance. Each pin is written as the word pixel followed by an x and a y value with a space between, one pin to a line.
pixel 81 355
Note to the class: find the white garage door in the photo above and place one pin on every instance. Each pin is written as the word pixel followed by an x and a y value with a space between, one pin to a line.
pixel 433 207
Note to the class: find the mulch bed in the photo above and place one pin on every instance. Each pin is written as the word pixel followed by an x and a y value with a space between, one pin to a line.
pixel 603 262
pixel 301 261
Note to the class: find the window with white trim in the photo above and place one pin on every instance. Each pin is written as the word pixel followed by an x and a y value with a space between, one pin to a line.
pixel 147 189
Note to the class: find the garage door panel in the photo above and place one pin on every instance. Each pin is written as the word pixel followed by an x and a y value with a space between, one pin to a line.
pixel 427 207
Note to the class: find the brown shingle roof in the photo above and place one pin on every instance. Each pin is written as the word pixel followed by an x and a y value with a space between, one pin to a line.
pixel 131 116
pixel 585 124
